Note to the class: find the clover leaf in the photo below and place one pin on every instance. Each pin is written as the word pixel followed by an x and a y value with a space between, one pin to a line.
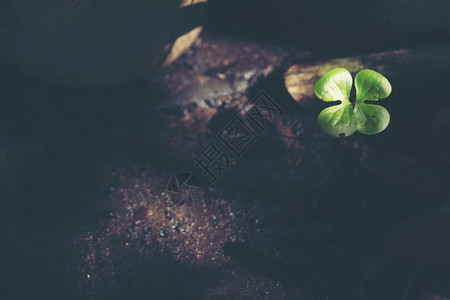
pixel 346 117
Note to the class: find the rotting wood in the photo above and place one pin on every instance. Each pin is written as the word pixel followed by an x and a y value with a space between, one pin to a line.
pixel 300 78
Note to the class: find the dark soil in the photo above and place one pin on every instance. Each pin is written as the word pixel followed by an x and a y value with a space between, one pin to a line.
pixel 85 213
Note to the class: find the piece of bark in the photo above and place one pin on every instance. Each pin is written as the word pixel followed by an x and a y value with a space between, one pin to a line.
pixel 185 41
pixel 301 78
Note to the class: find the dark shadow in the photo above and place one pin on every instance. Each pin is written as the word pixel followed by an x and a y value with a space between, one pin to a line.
pixel 332 27
pixel 58 148
pixel 339 279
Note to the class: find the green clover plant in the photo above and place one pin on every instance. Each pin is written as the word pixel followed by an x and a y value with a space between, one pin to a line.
pixel 347 117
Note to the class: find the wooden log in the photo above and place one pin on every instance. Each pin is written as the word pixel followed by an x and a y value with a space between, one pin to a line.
pixel 300 78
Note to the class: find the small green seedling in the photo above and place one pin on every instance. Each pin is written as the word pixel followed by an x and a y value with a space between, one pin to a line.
pixel 347 117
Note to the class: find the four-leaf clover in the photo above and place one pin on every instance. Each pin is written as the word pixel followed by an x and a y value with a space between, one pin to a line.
pixel 347 117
